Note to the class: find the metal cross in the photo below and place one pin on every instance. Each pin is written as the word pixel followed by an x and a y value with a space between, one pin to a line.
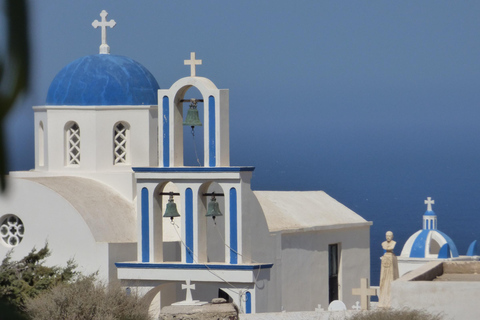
pixel 192 62
pixel 104 48
pixel 364 292
pixel 429 203
pixel 189 287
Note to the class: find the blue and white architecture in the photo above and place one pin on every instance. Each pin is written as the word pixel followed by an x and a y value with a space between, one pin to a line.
pixel 429 244
pixel 110 154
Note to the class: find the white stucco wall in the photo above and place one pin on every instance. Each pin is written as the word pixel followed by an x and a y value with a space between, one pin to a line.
pixel 305 266
pixel 48 217
pixel 96 125
pixel 453 299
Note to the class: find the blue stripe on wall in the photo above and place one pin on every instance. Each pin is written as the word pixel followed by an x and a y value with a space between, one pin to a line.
pixel 189 225
pixel 211 132
pixel 166 132
pixel 233 226
pixel 145 227
pixel 248 302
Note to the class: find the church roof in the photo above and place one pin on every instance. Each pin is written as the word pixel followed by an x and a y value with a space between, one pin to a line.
pixel 305 210
pixel 427 243
pixel 110 217
pixel 103 79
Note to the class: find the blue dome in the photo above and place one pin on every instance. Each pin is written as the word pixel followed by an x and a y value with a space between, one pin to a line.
pixel 428 244
pixel 103 79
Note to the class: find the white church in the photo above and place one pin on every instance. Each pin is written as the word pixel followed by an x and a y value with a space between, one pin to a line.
pixel 110 190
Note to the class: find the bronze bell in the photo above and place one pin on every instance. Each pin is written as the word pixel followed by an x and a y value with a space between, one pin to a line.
pixel 192 119
pixel 171 209
pixel 213 209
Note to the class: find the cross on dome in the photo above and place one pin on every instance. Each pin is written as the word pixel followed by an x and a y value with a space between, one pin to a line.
pixel 429 203
pixel 104 48
pixel 193 63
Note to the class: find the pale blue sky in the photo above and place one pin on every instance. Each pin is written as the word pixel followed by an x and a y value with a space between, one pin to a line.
pixel 375 102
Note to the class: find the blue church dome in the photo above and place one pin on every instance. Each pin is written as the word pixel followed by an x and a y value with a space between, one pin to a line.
pixel 429 242
pixel 103 79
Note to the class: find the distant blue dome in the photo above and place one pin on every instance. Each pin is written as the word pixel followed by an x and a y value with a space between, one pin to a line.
pixel 427 244
pixel 103 79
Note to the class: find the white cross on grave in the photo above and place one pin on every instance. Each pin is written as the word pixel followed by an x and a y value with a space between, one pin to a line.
pixel 319 308
pixel 193 63
pixel 188 299
pixel 356 307
pixel 104 48
pixel 189 287
pixel 429 203
pixel 364 292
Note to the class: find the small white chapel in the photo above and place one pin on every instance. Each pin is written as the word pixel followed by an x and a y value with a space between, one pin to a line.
pixel 111 191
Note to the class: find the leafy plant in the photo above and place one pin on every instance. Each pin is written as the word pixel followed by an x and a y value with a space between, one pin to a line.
pixel 29 277
pixel 87 299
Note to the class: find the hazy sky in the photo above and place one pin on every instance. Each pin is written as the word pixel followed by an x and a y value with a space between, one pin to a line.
pixel 375 102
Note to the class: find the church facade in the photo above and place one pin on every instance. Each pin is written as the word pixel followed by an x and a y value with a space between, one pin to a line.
pixel 109 164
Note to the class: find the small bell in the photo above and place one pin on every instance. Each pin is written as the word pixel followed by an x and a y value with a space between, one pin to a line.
pixel 192 119
pixel 171 209
pixel 213 209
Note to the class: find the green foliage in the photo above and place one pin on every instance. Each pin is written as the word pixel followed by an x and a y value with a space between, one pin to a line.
pixel 402 314
pixel 87 299
pixel 29 277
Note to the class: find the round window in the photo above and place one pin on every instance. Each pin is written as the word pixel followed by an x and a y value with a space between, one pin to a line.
pixel 12 230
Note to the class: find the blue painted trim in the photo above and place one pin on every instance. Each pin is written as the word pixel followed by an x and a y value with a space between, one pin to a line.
pixel 444 252
pixel 166 132
pixel 136 265
pixel 233 226
pixel 453 247
pixel 189 225
pixel 193 169
pixel 418 247
pixel 211 132
pixel 473 249
pixel 248 302
pixel 145 227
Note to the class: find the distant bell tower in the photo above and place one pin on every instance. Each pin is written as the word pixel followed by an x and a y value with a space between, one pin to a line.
pixel 429 218
pixel 171 120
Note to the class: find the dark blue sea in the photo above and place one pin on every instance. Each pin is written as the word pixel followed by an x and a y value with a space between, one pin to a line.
pixel 392 197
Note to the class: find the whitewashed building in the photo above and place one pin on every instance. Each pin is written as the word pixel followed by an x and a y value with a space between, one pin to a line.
pixel 109 157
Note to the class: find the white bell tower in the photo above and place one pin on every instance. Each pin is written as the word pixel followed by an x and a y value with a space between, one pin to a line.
pixel 216 120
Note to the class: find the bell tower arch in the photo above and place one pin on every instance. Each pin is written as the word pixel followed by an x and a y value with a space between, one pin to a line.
pixel 216 123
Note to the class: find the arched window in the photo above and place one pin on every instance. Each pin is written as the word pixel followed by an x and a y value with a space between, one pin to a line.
pixel 73 144
pixel 41 145
pixel 120 140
